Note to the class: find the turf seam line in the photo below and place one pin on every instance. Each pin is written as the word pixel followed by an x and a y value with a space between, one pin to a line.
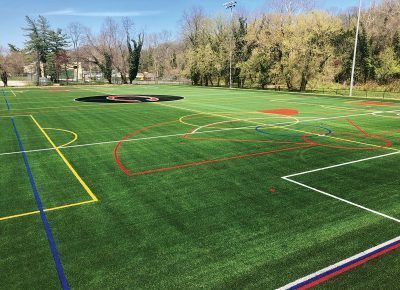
pixel 50 238
pixel 343 266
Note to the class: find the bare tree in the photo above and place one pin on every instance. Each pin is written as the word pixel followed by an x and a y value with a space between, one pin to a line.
pixel 291 7
pixel 159 46
pixel 75 32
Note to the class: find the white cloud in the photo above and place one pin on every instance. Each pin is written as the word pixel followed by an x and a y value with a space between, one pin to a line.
pixel 72 12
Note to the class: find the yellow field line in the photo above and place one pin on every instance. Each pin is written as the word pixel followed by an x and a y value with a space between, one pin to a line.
pixel 67 131
pixel 46 210
pixel 286 128
pixel 13 92
pixel 57 149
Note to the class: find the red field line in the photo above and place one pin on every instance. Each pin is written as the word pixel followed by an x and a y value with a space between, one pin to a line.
pixel 163 169
pixel 116 158
pixel 377 104
pixel 242 140
pixel 283 112
pixel 358 128
pixel 388 143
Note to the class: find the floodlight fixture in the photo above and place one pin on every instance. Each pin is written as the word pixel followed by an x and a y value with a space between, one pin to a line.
pixel 230 5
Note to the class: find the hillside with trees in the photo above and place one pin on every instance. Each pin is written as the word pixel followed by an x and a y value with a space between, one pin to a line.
pixel 290 45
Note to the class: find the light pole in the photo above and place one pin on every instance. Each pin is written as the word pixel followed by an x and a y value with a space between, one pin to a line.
pixel 355 50
pixel 230 5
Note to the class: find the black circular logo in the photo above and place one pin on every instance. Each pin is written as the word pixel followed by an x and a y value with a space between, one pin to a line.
pixel 130 99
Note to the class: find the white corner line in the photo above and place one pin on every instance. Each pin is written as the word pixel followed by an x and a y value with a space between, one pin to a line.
pixel 341 164
pixel 343 200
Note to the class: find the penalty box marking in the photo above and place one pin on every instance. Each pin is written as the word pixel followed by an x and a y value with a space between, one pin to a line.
pixel 289 178
pixel 352 262
pixel 73 171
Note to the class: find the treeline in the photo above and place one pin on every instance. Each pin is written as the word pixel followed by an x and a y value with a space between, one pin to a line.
pixel 53 51
pixel 293 46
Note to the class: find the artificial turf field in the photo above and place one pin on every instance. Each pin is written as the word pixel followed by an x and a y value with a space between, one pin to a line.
pixel 223 189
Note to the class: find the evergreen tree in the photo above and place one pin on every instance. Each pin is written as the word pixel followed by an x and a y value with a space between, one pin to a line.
pixel 37 41
pixel 365 64
pixel 134 56
pixel 396 45
pixel 364 56
pixel 44 43
pixel 57 57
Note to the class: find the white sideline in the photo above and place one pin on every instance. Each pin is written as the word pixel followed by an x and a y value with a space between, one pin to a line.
pixel 345 261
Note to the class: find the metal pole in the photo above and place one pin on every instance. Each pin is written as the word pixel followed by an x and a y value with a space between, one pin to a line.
pixel 231 5
pixel 355 50
pixel 231 52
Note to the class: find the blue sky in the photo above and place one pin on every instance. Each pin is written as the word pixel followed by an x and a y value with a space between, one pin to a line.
pixel 148 15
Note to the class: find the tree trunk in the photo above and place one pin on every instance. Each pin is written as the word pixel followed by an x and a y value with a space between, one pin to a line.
pixel 124 79
pixel 4 78
pixel 289 84
pixel 38 70
pixel 303 84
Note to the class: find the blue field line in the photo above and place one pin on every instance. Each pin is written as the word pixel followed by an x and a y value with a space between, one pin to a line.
pixel 7 104
pixel 50 238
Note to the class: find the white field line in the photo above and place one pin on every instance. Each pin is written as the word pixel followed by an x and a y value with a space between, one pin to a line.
pixel 128 140
pixel 343 262
pixel 287 178
pixel 249 121
pixel 342 199
pixel 177 135
pixel 317 119
pixel 15 116
pixel 342 164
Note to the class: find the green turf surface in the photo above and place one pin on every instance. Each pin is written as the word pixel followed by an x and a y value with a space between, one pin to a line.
pixel 196 210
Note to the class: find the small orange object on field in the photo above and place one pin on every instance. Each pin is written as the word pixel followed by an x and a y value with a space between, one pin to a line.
pixel 272 189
